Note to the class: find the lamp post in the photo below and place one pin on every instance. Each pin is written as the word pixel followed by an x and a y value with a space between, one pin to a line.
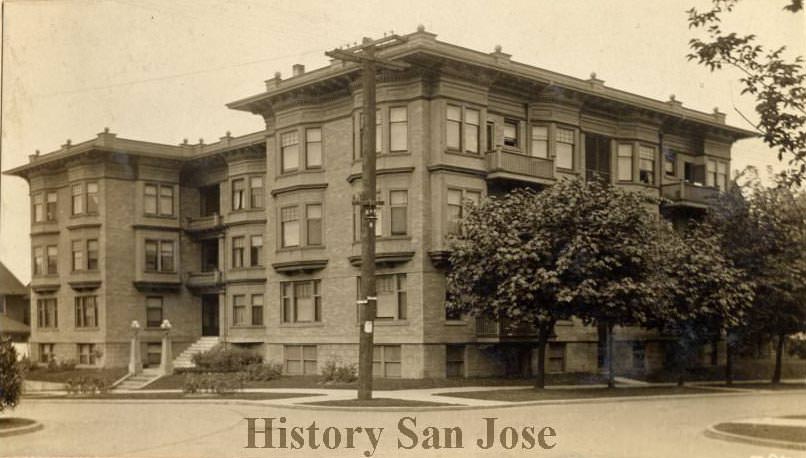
pixel 135 362
pixel 166 359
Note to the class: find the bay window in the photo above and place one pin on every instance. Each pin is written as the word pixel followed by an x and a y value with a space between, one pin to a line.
pixel 646 165
pixel 289 227
pixel 564 145
pixel 625 151
pixel 238 190
pixel 540 141
pixel 463 129
pixel 457 199
pixel 313 223
pixel 159 256
pixel 289 151
pixel 237 252
pixel 398 129
pixel 398 208
pixel 256 250
pixel 313 148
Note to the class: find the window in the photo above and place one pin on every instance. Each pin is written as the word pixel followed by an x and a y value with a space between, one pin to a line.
pixel 378 132
pixel 238 309
pixel 159 256
pixel 78 255
pixel 289 226
pixel 451 314
pixel 313 223
pixel 647 164
pixel 313 148
pixel 710 173
pixel 398 205
pixel 150 199
pixel 237 252
pixel 722 176
pixel 52 259
pixel 158 199
pixel 670 163
pixel 565 148
pixel 154 312
pixel 256 192
pixel 398 129
pixel 86 353
pixel 46 353
pixel 457 199
pixel 86 312
pixel 625 162
pixel 300 360
pixel 302 301
pixel 257 310
pixel 289 151
pixel 540 141
pixel 78 199
pixel 92 254
pixel 511 133
pixel 47 313
pixel 38 211
pixel 463 129
pixel 455 360
pixel 638 355
pixel 166 203
pixel 39 260
pixel 238 188
pixel 391 294
pixel 51 208
pixel 92 198
pixel 256 250
pixel 386 361
pixel 555 357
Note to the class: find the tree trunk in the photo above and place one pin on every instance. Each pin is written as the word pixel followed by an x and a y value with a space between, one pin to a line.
pixel 779 353
pixel 611 376
pixel 543 334
pixel 729 360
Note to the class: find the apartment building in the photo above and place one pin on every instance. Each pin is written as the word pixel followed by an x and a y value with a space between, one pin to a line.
pixel 254 240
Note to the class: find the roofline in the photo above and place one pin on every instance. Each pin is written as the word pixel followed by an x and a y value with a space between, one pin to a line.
pixel 425 42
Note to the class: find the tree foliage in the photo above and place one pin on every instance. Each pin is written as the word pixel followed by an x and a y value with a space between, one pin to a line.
pixel 776 83
pixel 10 375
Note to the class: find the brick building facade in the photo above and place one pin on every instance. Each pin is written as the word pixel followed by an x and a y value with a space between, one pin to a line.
pixel 254 239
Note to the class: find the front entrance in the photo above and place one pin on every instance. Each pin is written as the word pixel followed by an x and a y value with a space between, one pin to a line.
pixel 210 315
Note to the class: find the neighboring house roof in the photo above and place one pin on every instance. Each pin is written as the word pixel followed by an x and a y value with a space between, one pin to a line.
pixel 9 285
pixel 11 326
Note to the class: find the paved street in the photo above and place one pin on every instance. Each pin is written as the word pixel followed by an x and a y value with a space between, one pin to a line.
pixel 624 428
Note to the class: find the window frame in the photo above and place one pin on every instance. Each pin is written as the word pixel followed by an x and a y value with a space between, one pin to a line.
pixel 82 318
pixel 93 262
pixel 38 260
pixel 302 359
pixel 284 169
pixel 238 248
pixel 150 324
pixel 257 199
pixel 52 260
pixel 51 206
pixel 452 226
pixel 652 153
pixel 461 126
pixel 46 356
pixel 289 303
pixel 517 137
pixel 404 207
pixel 383 361
pixel 90 354
pixel 159 253
pixel 238 306
pixel 257 310
pixel 555 132
pixel 620 156
pixel 286 219
pixel 404 125
pixel 44 318
pixel 255 251
pixel 38 207
pixel 308 222
pixel 78 260
pixel 309 142
pixel 533 140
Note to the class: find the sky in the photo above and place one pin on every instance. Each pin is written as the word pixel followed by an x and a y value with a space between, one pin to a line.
pixel 162 70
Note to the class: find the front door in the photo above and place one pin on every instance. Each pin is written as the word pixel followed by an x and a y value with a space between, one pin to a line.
pixel 210 315
pixel 597 157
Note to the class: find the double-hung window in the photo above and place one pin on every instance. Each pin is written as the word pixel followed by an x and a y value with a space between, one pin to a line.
pixel 158 199
pixel 300 360
pixel 564 147
pixel 78 255
pixel 39 260
pixel 237 252
pixel 386 361
pixel 257 310
pixel 301 301
pixel 398 129
pixel 313 148
pixel 289 226
pixel 52 259
pixel 154 311
pixel 86 353
pixel 51 206
pixel 398 208
pixel 511 137
pixel 392 296
pixel 47 313
pixel 159 256
pixel 92 254
pixel 78 199
pixel 238 309
pixel 625 151
pixel 256 250
pixel 457 199
pixel 463 128
pixel 256 192
pixel 313 223
pixel 289 151
pixel 646 165
pixel 238 193
pixel 540 141
pixel 38 211
pixel 86 312
pixel 722 176
pixel 669 163
pixel 46 352
pixel 92 197
pixel 84 198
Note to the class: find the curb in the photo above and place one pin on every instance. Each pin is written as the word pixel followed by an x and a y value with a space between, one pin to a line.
pixel 36 426
pixel 713 433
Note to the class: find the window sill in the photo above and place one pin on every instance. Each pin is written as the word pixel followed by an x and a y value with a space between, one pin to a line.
pixel 312 324
pixel 456 152
pixel 300 248
pixel 291 173
pixel 83 215
pixel 246 269
pixel 455 323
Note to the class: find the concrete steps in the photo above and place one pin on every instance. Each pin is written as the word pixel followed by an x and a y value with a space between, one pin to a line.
pixel 185 359
pixel 140 380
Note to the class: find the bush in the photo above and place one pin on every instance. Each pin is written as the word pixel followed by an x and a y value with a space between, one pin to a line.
pixel 226 359
pixel 263 372
pixel 65 365
pixel 797 346
pixel 213 382
pixel 332 372
pixel 86 385
pixel 10 375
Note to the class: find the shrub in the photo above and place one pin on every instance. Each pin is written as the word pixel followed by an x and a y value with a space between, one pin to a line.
pixel 226 359
pixel 213 382
pixel 65 365
pixel 263 372
pixel 797 346
pixel 86 385
pixel 332 372
pixel 10 375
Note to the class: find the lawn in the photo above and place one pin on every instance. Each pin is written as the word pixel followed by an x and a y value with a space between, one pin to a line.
pixel 753 369
pixel 62 376
pixel 527 395
pixel 145 395
pixel 378 402
pixel 773 432
pixel 383 384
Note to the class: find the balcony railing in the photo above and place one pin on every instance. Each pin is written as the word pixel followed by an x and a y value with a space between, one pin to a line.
pixel 690 193
pixel 210 279
pixel 489 328
pixel 203 223
pixel 509 164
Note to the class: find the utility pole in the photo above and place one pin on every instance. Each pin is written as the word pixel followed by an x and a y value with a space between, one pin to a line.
pixel 364 54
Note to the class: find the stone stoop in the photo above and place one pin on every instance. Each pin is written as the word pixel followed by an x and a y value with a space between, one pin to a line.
pixel 136 382
pixel 185 360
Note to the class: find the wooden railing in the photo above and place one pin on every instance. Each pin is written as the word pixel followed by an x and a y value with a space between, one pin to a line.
pixel 204 279
pixel 502 160
pixel 686 191
pixel 203 223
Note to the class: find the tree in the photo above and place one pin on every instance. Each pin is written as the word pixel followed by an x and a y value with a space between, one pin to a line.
pixel 776 83
pixel 10 375
pixel 703 295
pixel 574 249
pixel 763 231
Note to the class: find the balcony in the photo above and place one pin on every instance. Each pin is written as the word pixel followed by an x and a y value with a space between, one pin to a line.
pixel 686 193
pixel 489 330
pixel 510 165
pixel 204 224
pixel 204 280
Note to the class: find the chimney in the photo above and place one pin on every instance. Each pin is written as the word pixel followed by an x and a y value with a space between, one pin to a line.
pixel 297 70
